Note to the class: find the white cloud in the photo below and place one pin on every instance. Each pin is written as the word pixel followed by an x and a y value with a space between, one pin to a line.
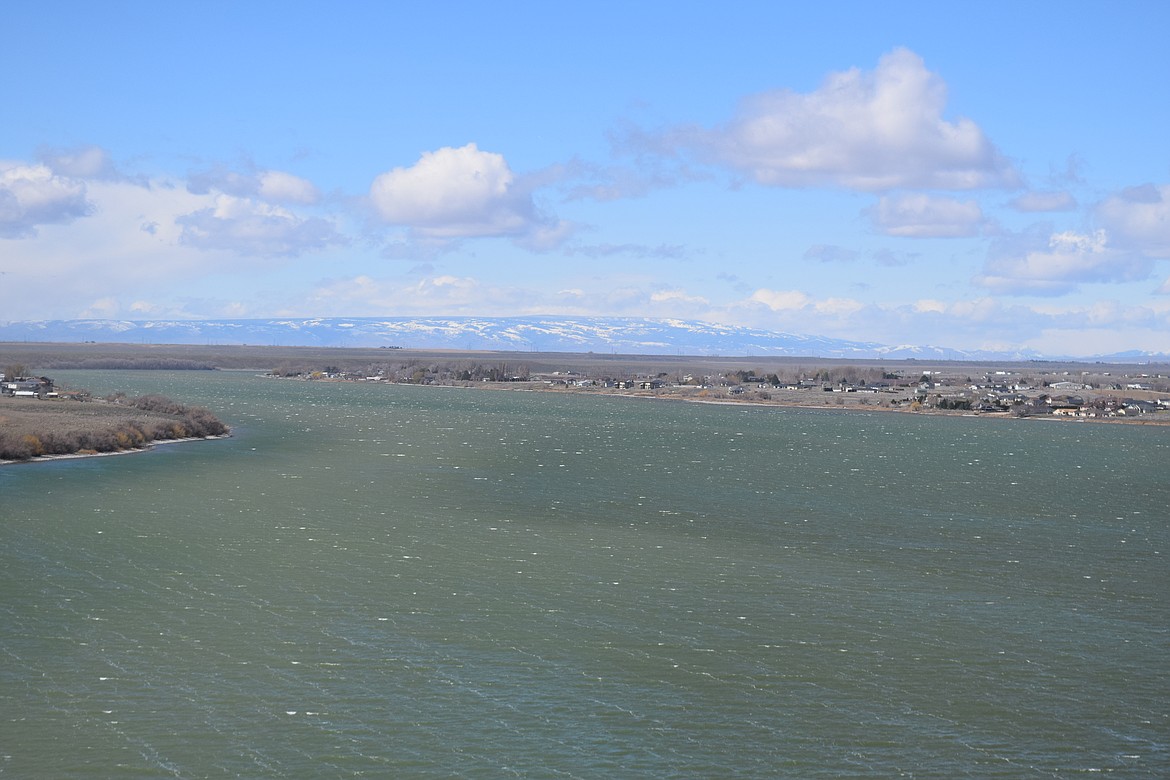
pixel 1096 328
pixel 84 162
pixel 984 323
pixel 462 295
pixel 1134 232
pixel 924 216
pixel 546 237
pixel 445 294
pixel 268 185
pixel 1044 201
pixel 32 195
pixel 247 227
pixel 781 300
pixel 1138 218
pixel 281 187
pixel 137 239
pixel 1019 266
pixel 793 301
pixel 981 323
pixel 677 296
pixel 128 246
pixel 455 193
pixel 838 307
pixel 148 309
pixel 102 309
pixel 925 305
pixel 870 131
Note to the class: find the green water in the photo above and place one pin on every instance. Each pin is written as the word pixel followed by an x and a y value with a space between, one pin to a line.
pixel 388 581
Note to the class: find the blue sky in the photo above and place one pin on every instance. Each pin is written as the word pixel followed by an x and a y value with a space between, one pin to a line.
pixel 974 176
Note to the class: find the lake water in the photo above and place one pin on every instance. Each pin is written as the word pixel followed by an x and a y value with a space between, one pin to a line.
pixel 395 581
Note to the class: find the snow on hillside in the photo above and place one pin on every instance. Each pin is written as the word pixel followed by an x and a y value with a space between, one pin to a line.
pixel 625 335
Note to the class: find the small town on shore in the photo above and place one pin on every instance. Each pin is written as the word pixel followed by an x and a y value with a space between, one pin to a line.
pixel 1094 392
pixel 1076 391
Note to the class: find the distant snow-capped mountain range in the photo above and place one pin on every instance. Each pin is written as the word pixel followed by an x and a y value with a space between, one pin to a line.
pixel 625 335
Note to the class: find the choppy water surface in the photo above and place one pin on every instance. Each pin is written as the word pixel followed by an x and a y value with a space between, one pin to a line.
pixel 422 582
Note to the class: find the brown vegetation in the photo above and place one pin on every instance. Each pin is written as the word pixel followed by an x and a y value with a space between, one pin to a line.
pixel 31 428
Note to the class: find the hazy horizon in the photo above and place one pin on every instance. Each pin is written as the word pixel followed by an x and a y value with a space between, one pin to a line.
pixel 526 334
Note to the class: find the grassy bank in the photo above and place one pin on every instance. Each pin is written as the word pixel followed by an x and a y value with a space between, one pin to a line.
pixel 31 428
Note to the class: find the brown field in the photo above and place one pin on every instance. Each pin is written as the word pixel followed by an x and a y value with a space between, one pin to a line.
pixel 32 428
pixel 20 416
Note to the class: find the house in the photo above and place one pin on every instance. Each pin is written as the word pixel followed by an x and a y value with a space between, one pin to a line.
pixel 28 387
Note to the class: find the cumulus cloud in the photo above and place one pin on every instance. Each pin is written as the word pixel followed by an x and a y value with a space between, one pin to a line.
pixel 103 256
pixel 462 193
pixel 33 195
pixel 281 187
pixel 983 323
pixel 128 235
pixel 795 300
pixel 83 162
pixel 1133 232
pixel 924 216
pixel 781 300
pixel 838 307
pixel 247 227
pixel 1021 265
pixel 872 131
pixel 677 296
pixel 1138 218
pixel 1044 201
pixel 270 186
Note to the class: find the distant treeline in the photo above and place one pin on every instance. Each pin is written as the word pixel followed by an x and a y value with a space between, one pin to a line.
pixel 133 364
pixel 161 419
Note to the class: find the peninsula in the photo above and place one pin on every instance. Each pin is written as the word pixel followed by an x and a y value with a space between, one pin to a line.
pixel 31 428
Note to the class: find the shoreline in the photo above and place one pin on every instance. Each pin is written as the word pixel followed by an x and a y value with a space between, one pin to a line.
pixel 131 451
pixel 853 406
pixel 850 408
